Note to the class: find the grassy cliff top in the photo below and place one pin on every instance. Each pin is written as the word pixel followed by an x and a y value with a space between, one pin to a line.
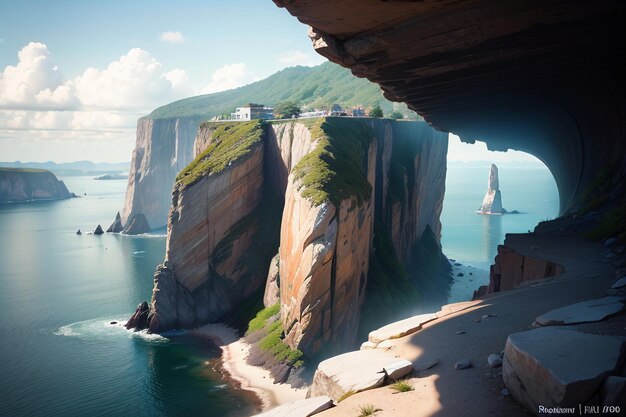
pixel 311 86
pixel 230 141
pixel 335 169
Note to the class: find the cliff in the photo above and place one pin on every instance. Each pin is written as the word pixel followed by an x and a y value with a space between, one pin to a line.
pixel 20 185
pixel 163 148
pixel 314 191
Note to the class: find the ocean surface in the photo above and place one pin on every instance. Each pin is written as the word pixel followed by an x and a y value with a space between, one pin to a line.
pixel 472 239
pixel 59 292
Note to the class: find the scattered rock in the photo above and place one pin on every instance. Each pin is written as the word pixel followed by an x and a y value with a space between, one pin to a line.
pixel 505 392
pixel 300 408
pixel 457 264
pixel 98 230
pixel 113 322
pixel 610 241
pixel 584 312
pixel 78 232
pixel 355 371
pixel 461 332
pixel 553 366
pixel 494 360
pixel 613 392
pixel 463 364
pixel 139 320
pixel 486 316
pixel 400 328
pixel 471 273
pixel 460 274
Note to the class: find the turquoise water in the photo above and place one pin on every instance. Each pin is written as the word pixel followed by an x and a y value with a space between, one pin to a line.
pixel 58 294
pixel 472 239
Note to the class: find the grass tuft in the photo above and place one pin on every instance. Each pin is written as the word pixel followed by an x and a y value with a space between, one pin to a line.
pixel 368 410
pixel 402 386
pixel 346 395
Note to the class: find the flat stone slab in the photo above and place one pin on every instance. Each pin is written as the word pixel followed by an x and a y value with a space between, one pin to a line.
pixel 356 371
pixel 552 366
pixel 300 408
pixel 584 312
pixel 400 328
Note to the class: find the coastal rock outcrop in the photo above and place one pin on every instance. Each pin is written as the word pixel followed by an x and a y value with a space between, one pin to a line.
pixel 492 203
pixel 139 320
pixel 163 147
pixel 98 230
pixel 116 226
pixel 19 185
pixel 330 181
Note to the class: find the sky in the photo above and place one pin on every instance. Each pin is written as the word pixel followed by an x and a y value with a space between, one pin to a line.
pixel 76 75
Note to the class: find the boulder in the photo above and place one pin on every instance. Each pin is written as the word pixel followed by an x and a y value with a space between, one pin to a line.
pixel 583 312
pixel 463 364
pixel 552 366
pixel 98 230
pixel 300 408
pixel 400 328
pixel 116 226
pixel 139 320
pixel 356 371
pixel 494 360
pixel 78 232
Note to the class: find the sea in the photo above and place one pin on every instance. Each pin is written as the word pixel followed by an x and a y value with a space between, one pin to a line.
pixel 63 298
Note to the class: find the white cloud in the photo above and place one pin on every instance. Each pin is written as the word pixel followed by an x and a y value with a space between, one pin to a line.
pixel 229 76
pixel 293 58
pixel 173 37
pixel 35 82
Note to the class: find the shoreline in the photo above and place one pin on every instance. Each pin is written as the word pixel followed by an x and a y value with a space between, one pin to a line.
pixel 249 378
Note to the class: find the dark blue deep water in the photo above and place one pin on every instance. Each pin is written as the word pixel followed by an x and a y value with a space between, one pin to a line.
pixel 58 294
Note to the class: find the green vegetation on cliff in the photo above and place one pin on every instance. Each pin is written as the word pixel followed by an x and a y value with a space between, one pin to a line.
pixel 334 170
pixel 230 141
pixel 317 86
pixel 268 329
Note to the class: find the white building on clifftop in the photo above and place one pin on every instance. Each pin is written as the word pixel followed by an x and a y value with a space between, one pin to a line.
pixel 252 111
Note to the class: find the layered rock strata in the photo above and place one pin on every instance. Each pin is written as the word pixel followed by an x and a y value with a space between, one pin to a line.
pixel 21 185
pixel 163 148
pixel 332 180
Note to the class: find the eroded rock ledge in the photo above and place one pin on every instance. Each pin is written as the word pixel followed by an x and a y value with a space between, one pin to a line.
pixel 359 200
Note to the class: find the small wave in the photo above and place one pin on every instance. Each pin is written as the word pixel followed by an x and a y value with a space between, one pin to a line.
pixel 139 252
pixel 105 329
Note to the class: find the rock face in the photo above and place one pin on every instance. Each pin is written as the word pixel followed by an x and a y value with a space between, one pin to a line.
pixel 492 203
pixel 163 148
pixel 139 320
pixel 21 185
pixel 482 70
pixel 300 408
pixel 537 367
pixel 98 230
pixel 225 221
pixel 512 269
pixel 116 226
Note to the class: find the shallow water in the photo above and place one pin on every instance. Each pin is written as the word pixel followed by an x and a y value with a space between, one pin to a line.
pixel 58 294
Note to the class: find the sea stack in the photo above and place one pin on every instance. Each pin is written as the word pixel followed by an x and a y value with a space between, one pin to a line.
pixel 492 203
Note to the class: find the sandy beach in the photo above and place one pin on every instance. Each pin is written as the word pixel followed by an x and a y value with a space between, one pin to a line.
pixel 251 378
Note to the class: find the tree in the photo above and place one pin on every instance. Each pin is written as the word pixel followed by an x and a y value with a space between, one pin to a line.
pixel 287 110
pixel 396 115
pixel 376 111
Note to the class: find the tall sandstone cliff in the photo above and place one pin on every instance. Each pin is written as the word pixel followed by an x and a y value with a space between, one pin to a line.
pixel 163 148
pixel 314 191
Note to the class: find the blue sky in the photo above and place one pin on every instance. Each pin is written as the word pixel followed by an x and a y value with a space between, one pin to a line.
pixel 76 75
